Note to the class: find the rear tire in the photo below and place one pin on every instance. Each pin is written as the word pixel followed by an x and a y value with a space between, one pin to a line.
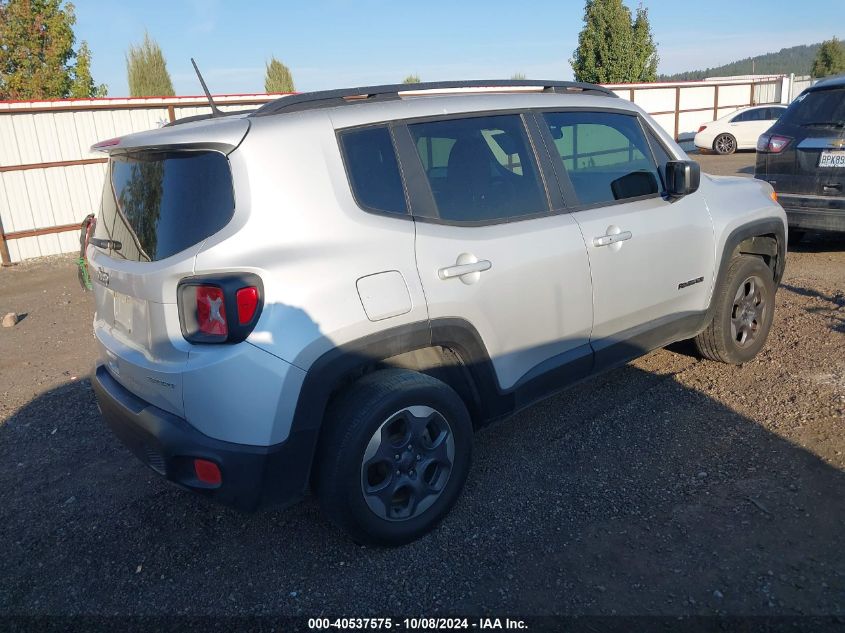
pixel 724 144
pixel 744 307
pixel 393 457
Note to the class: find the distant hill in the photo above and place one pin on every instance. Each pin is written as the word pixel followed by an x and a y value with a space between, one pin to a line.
pixel 796 59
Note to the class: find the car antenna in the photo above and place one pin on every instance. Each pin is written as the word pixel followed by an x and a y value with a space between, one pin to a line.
pixel 214 110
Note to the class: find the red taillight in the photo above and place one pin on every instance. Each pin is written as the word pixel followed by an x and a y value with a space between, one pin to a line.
pixel 772 144
pixel 702 128
pixel 219 308
pixel 247 299
pixel 778 143
pixel 208 472
pixel 211 311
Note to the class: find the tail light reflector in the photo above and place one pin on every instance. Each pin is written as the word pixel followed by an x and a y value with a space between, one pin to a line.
pixel 247 304
pixel 208 472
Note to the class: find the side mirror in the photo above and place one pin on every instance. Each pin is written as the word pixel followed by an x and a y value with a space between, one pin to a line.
pixel 682 177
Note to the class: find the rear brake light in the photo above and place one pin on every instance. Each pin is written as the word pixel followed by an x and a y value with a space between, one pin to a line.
pixel 220 308
pixel 104 144
pixel 702 128
pixel 778 143
pixel 772 143
pixel 211 311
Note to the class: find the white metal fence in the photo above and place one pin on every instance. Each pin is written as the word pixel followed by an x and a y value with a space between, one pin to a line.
pixel 50 180
pixel 799 84
pixel 681 107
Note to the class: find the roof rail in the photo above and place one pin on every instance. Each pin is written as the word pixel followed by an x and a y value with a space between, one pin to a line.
pixel 391 92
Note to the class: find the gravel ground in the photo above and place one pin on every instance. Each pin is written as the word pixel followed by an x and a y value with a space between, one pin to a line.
pixel 671 486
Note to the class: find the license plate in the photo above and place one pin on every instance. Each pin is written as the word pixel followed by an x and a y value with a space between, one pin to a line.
pixel 123 308
pixel 832 158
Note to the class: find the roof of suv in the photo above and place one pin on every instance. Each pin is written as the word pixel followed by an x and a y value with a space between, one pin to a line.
pixel 837 81
pixel 481 104
pixel 393 92
pixel 398 92
pixel 410 102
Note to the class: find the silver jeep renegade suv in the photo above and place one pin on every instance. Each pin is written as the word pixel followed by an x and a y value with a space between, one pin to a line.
pixel 335 290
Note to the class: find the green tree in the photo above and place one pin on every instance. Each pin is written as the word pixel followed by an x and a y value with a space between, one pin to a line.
pixel 146 69
pixel 830 60
pixel 518 76
pixel 83 84
pixel 36 49
pixel 411 79
pixel 644 58
pixel 611 47
pixel 278 77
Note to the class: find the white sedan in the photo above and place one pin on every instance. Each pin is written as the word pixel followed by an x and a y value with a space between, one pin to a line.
pixel 738 130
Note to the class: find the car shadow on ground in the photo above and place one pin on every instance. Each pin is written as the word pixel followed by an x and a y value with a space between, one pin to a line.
pixel 628 494
pixel 819 242
pixel 835 311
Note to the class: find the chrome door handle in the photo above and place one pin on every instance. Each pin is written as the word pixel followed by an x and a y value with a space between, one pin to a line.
pixel 607 240
pixel 458 270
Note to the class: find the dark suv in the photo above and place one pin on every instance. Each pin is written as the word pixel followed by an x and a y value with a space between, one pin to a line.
pixel 803 157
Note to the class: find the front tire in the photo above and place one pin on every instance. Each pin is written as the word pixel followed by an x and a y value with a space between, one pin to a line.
pixel 393 458
pixel 724 144
pixel 744 307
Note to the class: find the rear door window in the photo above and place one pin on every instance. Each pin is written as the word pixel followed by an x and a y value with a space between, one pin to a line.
pixel 373 170
pixel 480 169
pixel 156 204
pixel 605 154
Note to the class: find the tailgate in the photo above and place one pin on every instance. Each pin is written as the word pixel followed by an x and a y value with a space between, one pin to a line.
pixel 165 192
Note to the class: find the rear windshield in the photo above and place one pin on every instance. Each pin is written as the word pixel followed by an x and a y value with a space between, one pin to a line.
pixel 818 108
pixel 156 204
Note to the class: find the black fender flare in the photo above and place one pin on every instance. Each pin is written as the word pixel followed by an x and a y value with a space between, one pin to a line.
pixel 756 228
pixel 335 366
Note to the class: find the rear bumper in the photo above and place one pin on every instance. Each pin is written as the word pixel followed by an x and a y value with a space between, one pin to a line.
pixel 818 213
pixel 703 141
pixel 251 475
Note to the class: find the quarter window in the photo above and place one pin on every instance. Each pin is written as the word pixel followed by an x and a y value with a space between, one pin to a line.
pixel 373 169
pixel 480 169
pixel 605 155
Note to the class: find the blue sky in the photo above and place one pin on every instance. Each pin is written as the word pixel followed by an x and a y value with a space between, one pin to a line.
pixel 336 43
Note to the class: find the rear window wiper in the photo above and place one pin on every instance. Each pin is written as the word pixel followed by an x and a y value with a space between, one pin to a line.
pixel 107 244
pixel 824 124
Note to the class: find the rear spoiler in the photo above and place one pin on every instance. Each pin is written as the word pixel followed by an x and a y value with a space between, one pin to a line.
pixel 219 134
